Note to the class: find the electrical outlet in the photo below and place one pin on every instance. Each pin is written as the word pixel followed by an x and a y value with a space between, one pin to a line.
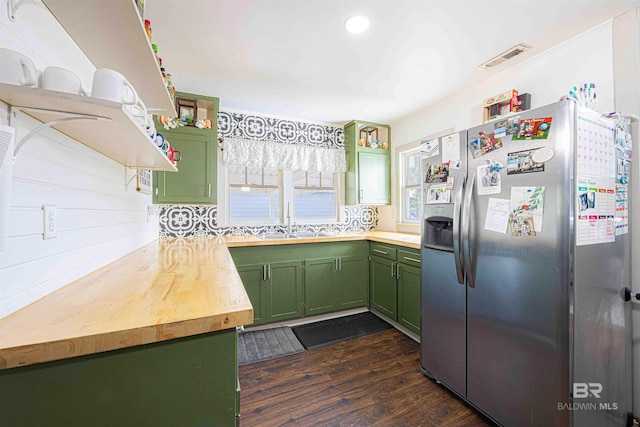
pixel 50 221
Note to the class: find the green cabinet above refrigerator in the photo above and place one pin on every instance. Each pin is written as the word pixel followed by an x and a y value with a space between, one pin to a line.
pixel 368 177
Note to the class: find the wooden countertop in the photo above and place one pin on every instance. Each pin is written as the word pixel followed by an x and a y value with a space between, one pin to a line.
pixel 400 239
pixel 167 289
pixel 170 288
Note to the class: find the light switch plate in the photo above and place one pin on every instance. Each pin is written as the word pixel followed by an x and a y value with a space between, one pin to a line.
pixel 50 221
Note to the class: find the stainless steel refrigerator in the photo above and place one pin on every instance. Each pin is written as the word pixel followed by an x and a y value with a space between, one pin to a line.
pixel 525 257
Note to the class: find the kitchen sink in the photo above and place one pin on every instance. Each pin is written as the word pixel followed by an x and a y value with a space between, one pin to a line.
pixel 277 236
pixel 293 236
pixel 303 235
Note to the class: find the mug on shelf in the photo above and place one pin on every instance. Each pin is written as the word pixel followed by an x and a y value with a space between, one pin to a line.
pixel 174 155
pixel 139 113
pixel 61 80
pixel 17 69
pixel 113 86
pixel 151 131
pixel 159 139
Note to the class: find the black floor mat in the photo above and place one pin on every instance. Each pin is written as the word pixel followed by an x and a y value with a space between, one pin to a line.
pixel 330 331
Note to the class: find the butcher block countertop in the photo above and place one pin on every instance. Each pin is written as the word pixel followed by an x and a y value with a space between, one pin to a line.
pixel 170 288
pixel 400 239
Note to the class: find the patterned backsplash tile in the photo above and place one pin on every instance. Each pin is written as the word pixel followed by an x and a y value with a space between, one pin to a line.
pixel 200 221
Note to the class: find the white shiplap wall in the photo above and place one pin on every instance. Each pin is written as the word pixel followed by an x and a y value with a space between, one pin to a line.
pixel 98 219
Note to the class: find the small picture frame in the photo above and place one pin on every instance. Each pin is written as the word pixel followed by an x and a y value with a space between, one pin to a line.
pixel 186 107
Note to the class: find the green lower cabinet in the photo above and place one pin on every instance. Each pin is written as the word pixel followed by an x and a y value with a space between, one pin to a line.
pixel 337 281
pixel 253 278
pixel 189 381
pixel 284 299
pixel 384 289
pixel 333 284
pixel 320 282
pixel 353 282
pixel 274 289
pixel 409 297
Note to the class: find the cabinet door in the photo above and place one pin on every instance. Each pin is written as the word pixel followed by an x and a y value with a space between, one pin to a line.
pixel 253 278
pixel 195 181
pixel 352 283
pixel 409 297
pixel 284 296
pixel 384 296
pixel 373 178
pixel 320 285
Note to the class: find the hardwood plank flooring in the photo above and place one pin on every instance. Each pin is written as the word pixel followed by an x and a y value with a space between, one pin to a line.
pixel 373 380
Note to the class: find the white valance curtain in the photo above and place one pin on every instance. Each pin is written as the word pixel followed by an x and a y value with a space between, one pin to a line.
pixel 244 152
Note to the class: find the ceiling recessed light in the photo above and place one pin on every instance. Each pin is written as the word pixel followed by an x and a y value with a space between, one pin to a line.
pixel 356 24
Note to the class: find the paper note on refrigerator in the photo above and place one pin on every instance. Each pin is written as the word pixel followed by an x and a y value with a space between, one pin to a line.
pixel 526 206
pixel 622 209
pixel 451 147
pixel 497 218
pixel 596 210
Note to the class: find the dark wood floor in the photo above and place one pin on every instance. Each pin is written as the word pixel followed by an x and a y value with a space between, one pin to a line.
pixel 369 381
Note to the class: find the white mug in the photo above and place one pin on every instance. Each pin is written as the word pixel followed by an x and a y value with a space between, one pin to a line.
pixel 16 69
pixel 139 113
pixel 61 80
pixel 111 85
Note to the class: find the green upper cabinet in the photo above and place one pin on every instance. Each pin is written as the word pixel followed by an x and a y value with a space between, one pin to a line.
pixel 195 181
pixel 368 177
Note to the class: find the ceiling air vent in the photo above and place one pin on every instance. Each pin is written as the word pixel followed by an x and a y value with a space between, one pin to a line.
pixel 505 56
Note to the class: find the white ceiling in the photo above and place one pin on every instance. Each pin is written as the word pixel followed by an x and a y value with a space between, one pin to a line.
pixel 292 58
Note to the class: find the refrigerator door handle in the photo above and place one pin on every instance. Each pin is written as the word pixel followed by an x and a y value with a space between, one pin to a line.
pixel 457 253
pixel 466 221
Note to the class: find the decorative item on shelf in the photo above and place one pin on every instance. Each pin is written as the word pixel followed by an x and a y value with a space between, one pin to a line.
pixel 140 5
pixel 500 105
pixel 147 29
pixel 585 96
pixel 186 107
pixel 369 133
pixel 174 122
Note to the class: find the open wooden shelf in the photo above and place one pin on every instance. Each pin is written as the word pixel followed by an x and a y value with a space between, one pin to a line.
pixel 119 138
pixel 112 35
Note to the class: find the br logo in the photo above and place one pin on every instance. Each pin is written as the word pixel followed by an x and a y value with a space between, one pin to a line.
pixel 583 390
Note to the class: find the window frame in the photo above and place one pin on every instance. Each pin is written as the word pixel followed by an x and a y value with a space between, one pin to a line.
pixel 402 179
pixel 224 214
pixel 286 195
pixel 336 188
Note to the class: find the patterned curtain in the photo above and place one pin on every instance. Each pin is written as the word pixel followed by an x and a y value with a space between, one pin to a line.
pixel 242 152
pixel 261 141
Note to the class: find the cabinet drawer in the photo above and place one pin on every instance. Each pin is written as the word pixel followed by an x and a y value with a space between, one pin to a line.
pixel 383 251
pixel 409 257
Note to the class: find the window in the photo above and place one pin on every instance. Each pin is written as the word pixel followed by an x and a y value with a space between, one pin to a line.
pixel 314 196
pixel 411 185
pixel 262 196
pixel 253 195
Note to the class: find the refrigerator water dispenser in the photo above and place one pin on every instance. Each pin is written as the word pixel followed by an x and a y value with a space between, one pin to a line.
pixel 438 233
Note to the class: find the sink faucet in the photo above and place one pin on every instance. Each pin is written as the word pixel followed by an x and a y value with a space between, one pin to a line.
pixel 288 218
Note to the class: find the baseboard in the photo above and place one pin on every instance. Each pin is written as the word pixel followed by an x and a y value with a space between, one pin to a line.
pixel 303 320
pixel 397 325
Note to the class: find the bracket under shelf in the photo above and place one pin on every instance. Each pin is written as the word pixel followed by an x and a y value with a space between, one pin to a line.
pixel 66 117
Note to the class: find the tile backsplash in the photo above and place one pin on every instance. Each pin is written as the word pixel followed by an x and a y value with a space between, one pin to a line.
pixel 201 221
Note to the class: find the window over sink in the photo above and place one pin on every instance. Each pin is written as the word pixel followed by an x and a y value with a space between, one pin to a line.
pixel 264 196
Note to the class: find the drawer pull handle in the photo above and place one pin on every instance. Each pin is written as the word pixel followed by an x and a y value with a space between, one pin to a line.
pixel 411 259
pixel 381 252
